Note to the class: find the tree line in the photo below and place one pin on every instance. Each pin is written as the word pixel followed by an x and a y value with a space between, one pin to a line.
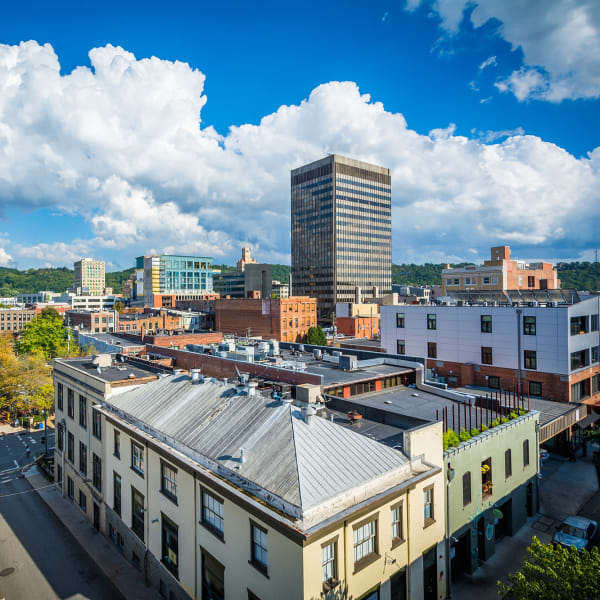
pixel 576 275
pixel 30 281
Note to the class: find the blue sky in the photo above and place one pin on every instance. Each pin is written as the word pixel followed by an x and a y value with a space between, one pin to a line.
pixel 484 115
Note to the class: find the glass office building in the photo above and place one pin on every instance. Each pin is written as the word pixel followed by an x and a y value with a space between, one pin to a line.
pixel 341 231
pixel 170 274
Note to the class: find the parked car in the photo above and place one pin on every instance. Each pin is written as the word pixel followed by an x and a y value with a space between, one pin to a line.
pixel 576 531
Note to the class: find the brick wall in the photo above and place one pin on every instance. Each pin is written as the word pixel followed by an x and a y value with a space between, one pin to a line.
pixel 214 366
pixel 359 327
pixel 553 386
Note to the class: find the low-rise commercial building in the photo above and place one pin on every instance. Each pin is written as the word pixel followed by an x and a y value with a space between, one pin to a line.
pixel 548 350
pixel 286 319
pixel 358 327
pixel 93 321
pixel 12 320
pixel 37 297
pixel 149 322
pixel 501 273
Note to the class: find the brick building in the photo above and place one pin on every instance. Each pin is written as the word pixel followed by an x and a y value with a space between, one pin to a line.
pixel 151 321
pixel 13 320
pixel 104 321
pixel 60 307
pixel 501 273
pixel 358 327
pixel 284 319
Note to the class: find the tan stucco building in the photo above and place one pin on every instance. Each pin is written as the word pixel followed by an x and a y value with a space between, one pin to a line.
pixel 500 273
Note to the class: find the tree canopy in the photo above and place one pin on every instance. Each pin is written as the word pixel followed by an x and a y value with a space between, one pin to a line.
pixel 46 334
pixel 25 381
pixel 554 573
pixel 316 336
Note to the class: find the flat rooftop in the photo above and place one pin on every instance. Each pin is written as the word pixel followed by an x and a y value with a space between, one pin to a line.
pixel 118 371
pixel 332 374
pixel 416 404
pixel 114 339
pixel 380 432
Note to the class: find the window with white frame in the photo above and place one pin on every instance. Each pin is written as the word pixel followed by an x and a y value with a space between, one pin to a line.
pixel 365 540
pixel 397 533
pixel 328 566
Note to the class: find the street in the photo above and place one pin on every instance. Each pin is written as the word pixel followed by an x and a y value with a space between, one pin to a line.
pixel 39 559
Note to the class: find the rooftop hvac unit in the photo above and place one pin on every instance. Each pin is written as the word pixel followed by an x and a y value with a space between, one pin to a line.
pixel 348 362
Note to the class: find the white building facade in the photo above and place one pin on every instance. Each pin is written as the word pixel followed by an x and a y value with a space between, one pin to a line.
pixel 552 350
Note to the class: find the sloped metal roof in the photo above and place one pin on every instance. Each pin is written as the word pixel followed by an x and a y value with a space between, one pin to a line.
pixel 303 464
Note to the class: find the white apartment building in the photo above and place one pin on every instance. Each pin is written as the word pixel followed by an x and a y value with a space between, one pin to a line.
pixel 214 491
pixel 551 349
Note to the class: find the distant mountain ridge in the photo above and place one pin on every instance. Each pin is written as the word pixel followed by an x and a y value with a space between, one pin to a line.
pixel 577 275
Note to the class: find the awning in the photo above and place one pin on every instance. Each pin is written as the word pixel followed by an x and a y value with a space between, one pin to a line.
pixel 589 420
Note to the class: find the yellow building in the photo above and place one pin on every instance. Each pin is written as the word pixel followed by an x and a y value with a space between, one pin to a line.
pixel 216 491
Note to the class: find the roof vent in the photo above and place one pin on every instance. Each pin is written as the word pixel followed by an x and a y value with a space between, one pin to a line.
pixel 251 388
pixel 317 353
pixel 195 376
pixel 308 412
pixel 177 371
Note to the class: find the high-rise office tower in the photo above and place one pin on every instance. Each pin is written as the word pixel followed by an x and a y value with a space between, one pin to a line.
pixel 89 277
pixel 341 231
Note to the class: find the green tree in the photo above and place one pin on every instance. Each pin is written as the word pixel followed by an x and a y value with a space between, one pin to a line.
pixel 554 573
pixel 119 307
pixel 50 313
pixel 316 336
pixel 45 334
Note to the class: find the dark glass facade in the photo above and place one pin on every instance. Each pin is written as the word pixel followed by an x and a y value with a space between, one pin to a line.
pixel 341 231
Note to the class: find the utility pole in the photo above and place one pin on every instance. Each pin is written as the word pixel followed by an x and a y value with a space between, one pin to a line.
pixel 46 430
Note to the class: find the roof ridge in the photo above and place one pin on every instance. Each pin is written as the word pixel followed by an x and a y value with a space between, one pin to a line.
pixel 291 417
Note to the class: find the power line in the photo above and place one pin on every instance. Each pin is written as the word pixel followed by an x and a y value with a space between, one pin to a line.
pixel 29 491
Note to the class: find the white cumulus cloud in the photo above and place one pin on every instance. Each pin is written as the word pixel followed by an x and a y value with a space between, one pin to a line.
pixel 122 144
pixel 560 41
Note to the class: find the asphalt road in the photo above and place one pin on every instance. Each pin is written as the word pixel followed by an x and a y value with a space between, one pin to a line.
pixel 39 559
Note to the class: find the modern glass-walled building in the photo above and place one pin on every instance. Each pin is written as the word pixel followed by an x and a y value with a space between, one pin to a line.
pixel 166 274
pixel 341 231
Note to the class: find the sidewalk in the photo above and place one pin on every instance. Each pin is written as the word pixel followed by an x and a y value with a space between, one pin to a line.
pixel 6 428
pixel 564 489
pixel 126 578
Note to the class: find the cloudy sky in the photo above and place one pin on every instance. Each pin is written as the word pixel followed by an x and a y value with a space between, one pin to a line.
pixel 169 128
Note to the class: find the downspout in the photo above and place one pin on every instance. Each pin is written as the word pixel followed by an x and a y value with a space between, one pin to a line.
pixel 449 478
pixel 345 556
pixel 65 443
pixel 408 534
pixel 195 539
pixel 146 477
pixel 519 354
